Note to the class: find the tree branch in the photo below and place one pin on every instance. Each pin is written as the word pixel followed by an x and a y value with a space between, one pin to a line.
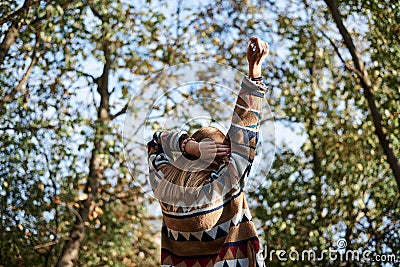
pixel 8 40
pixel 365 82
pixel 13 30
pixel 85 74
pixel 25 7
pixel 10 96
pixel 346 65
pixel 121 112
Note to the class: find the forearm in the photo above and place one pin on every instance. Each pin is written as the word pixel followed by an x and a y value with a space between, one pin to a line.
pixel 248 107
pixel 163 144
pixel 243 133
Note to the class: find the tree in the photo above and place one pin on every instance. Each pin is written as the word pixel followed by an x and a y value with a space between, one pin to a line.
pixel 68 69
pixel 337 184
pixel 75 161
pixel 360 70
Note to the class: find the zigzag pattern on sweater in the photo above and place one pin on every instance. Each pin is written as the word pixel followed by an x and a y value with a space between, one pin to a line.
pixel 232 255
pixel 216 232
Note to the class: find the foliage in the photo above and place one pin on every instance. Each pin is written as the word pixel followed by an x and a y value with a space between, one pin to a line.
pixel 68 69
pixel 338 184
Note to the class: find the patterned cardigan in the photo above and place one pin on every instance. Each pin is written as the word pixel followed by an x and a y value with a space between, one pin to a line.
pixel 219 231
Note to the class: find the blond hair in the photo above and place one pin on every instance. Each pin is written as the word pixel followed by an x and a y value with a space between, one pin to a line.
pixel 184 176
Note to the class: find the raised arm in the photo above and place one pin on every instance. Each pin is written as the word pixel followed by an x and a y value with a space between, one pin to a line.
pixel 243 133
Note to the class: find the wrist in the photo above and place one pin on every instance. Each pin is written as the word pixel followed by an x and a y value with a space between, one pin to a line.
pixel 254 71
pixel 190 147
pixel 193 148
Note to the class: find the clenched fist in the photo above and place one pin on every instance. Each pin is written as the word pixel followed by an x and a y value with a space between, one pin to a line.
pixel 257 51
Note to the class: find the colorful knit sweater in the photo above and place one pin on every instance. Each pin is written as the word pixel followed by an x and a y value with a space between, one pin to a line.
pixel 218 231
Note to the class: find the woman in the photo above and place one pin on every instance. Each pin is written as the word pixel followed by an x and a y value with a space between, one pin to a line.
pixel 206 219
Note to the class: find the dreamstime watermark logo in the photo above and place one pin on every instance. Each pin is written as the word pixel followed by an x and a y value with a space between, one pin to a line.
pixel 185 98
pixel 338 254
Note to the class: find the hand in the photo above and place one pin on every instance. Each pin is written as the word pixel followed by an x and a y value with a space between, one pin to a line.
pixel 207 149
pixel 257 51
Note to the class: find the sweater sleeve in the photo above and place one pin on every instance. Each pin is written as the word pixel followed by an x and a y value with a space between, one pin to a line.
pixel 162 148
pixel 243 132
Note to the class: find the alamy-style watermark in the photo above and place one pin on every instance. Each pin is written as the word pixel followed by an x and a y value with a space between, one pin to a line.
pixel 332 254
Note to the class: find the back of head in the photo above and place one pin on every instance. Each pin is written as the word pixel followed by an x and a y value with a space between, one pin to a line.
pixel 209 132
pixel 190 178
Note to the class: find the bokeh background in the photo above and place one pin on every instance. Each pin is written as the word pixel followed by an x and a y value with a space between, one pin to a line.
pixel 69 68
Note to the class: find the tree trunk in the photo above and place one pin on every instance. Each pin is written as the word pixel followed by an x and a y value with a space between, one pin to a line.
pixel 365 82
pixel 70 252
